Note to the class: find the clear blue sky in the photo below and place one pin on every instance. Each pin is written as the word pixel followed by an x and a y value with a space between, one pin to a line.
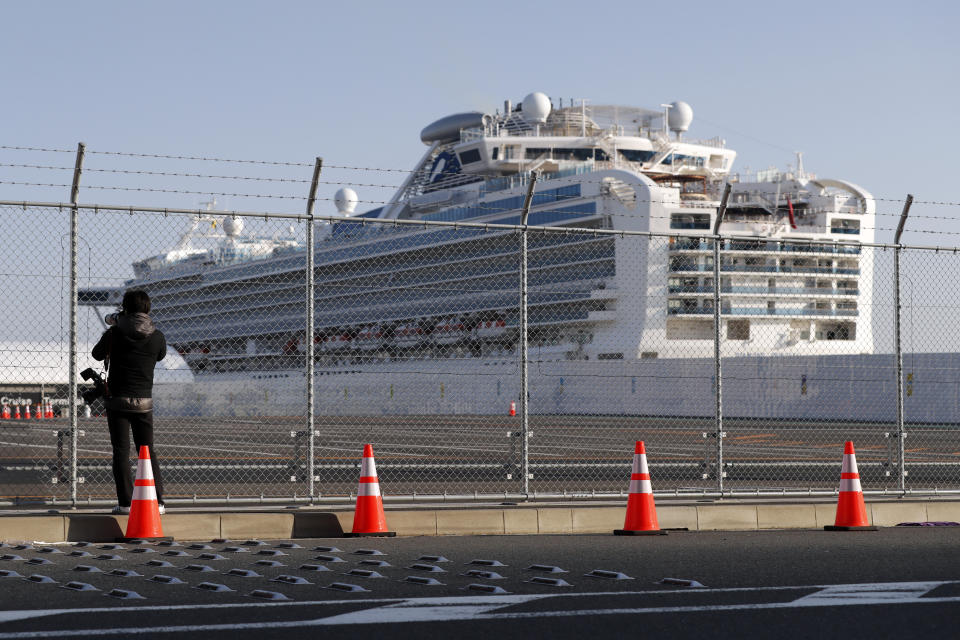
pixel 867 90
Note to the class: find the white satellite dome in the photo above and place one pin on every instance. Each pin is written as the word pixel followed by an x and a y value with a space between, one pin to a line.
pixel 346 201
pixel 536 108
pixel 680 117
pixel 232 226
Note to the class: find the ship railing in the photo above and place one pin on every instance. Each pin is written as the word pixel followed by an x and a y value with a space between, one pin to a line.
pixel 503 183
pixel 763 311
pixel 769 247
pixel 741 268
pixel 815 291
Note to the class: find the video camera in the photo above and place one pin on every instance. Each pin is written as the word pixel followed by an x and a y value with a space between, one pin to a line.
pixel 99 386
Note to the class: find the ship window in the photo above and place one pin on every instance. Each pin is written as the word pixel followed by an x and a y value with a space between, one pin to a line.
pixel 495 153
pixel 690 221
pixel 610 356
pixel 738 330
pixel 469 156
pixel 839 225
pixel 637 155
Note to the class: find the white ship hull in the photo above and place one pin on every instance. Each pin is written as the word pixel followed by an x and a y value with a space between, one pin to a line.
pixel 822 388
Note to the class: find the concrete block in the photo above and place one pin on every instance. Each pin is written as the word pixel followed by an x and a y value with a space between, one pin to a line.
pixel 316 524
pixel 95 527
pixel 826 514
pixel 191 526
pixel 345 518
pixel 520 521
pixel 269 525
pixel 726 516
pixel 412 522
pixel 555 520
pixel 786 516
pixel 888 514
pixel 943 511
pixel 470 522
pixel 673 517
pixel 597 519
pixel 51 528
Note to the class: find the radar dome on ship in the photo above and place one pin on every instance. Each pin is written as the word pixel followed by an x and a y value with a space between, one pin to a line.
pixel 232 226
pixel 680 117
pixel 346 201
pixel 535 108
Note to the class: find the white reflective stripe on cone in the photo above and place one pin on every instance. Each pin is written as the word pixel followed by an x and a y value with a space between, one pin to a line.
pixel 641 486
pixel 850 484
pixel 146 492
pixel 640 463
pixel 368 468
pixel 849 464
pixel 369 489
pixel 144 469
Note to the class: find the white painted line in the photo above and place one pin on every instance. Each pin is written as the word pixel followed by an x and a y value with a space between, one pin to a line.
pixel 478 608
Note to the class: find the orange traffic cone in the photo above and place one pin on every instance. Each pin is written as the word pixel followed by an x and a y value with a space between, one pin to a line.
pixel 641 513
pixel 16 413
pixel 26 412
pixel 144 520
pixel 49 412
pixel 368 517
pixel 38 414
pixel 513 408
pixel 851 511
pixel 6 412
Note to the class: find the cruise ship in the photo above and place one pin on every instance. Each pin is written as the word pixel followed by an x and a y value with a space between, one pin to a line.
pixel 422 319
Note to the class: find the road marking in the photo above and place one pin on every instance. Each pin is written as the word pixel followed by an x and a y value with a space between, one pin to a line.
pixel 479 608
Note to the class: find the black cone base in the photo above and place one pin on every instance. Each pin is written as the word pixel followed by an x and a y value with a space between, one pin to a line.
pixel 831 527
pixel 378 534
pixel 630 532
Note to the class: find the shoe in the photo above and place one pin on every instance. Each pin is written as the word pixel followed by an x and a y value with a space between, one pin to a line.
pixel 162 509
pixel 121 511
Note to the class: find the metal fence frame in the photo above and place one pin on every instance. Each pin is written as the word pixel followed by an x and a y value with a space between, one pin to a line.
pixel 310 219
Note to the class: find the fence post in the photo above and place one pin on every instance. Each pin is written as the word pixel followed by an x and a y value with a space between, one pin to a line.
pixel 718 370
pixel 901 432
pixel 524 392
pixel 74 294
pixel 311 200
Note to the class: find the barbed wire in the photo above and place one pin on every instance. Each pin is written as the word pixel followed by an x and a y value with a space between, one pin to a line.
pixel 44 149
pixel 493 210
pixel 307 164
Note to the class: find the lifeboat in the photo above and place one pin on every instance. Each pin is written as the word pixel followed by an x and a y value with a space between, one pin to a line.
pixel 302 342
pixel 450 331
pixel 408 335
pixel 328 343
pixel 491 330
pixel 369 338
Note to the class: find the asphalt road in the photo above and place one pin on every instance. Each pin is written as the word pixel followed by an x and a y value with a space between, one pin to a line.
pixel 895 583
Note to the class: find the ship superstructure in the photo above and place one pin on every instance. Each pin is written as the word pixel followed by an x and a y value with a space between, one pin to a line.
pixel 791 278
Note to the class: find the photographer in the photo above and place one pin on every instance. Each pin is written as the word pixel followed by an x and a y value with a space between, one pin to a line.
pixel 131 349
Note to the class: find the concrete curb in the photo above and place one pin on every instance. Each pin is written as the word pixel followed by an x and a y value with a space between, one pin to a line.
pixel 523 519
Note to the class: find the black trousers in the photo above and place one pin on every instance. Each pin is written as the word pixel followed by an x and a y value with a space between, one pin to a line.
pixel 122 424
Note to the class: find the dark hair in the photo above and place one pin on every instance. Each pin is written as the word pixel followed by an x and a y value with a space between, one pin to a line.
pixel 136 301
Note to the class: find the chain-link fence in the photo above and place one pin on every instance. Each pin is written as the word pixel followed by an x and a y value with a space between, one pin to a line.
pixel 422 346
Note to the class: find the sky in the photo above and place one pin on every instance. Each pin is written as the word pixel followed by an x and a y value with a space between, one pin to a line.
pixel 867 91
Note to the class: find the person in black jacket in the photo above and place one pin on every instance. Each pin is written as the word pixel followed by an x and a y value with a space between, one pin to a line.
pixel 131 348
